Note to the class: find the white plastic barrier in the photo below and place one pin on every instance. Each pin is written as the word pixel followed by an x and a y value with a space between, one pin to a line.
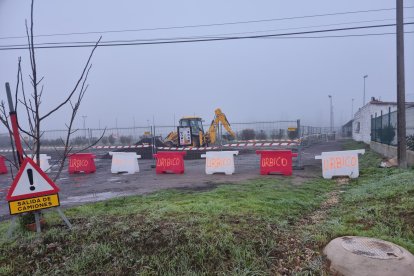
pixel 44 162
pixel 124 162
pixel 340 163
pixel 220 161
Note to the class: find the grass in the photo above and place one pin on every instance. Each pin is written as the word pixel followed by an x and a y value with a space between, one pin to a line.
pixel 265 226
pixel 379 204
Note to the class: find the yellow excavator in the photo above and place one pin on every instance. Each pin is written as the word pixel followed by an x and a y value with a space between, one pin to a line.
pixel 198 136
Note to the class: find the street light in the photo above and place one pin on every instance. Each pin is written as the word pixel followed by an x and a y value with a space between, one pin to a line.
pixel 331 116
pixel 84 123
pixel 352 109
pixel 366 76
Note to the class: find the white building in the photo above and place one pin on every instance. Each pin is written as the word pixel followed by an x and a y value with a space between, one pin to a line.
pixel 361 126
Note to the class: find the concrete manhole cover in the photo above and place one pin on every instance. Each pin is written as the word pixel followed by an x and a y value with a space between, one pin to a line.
pixel 372 248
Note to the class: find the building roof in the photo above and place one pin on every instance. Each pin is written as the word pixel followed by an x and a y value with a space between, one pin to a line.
pixel 349 123
pixel 378 102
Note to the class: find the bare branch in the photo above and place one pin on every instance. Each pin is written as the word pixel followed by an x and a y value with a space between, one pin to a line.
pixel 11 162
pixel 28 42
pixel 32 47
pixel 33 101
pixel 72 119
pixel 27 144
pixel 40 94
pixel 61 140
pixel 27 133
pixel 94 143
pixel 71 105
pixel 30 38
pixel 40 80
pixel 26 106
pixel 19 70
pixel 33 111
pixel 85 69
pixel 29 119
pixel 32 80
pixel 4 113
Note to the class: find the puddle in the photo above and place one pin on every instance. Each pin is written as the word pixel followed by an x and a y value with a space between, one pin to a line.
pixel 91 197
pixel 82 185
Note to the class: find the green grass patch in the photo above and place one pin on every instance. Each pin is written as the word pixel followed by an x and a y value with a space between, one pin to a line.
pixel 233 229
pixel 379 204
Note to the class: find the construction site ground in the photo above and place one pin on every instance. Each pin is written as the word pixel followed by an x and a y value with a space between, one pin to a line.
pixel 78 189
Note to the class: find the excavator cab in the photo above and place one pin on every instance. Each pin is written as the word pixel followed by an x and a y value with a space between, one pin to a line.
pixel 197 130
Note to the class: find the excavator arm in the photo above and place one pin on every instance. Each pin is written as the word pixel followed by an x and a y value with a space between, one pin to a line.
pixel 171 139
pixel 220 117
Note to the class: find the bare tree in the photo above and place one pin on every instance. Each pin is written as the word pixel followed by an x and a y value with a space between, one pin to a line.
pixel 32 102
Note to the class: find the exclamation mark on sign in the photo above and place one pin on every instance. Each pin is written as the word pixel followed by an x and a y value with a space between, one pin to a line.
pixel 30 175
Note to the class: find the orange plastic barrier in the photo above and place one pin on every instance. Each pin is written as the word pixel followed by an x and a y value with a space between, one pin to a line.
pixel 170 161
pixel 82 162
pixel 276 161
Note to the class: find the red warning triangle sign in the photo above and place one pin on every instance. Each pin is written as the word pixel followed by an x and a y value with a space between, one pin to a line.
pixel 30 182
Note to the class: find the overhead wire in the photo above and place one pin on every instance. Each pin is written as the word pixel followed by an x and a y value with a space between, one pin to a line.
pixel 203 36
pixel 207 25
pixel 207 39
pixel 339 36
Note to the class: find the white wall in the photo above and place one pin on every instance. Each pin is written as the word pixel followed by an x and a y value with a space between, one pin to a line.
pixel 363 117
pixel 409 118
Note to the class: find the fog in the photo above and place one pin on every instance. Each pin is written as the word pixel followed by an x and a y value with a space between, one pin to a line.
pixel 261 79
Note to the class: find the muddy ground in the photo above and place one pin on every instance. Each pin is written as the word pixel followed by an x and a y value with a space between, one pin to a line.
pixel 77 189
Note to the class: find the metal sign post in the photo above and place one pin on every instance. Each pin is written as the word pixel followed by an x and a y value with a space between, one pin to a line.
pixel 15 125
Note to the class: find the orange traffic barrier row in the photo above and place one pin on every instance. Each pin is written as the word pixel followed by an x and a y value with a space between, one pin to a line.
pixel 271 161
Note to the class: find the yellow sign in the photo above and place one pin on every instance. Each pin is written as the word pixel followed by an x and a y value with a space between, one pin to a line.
pixel 33 204
pixel 292 128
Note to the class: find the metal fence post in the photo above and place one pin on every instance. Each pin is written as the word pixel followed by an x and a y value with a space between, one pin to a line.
pixel 153 165
pixel 381 125
pixel 372 128
pixel 299 158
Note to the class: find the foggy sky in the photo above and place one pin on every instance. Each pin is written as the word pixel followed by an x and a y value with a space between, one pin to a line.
pixel 251 80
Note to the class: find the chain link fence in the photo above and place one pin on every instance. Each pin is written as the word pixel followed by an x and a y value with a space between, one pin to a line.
pixel 265 130
pixel 384 128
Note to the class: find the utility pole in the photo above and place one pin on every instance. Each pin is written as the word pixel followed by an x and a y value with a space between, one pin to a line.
pixel 366 76
pixel 331 116
pixel 401 124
